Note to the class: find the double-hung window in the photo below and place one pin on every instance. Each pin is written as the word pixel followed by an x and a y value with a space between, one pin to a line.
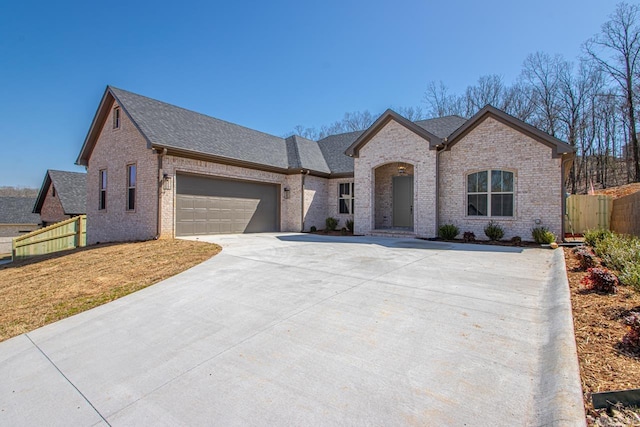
pixel 102 185
pixel 345 198
pixel 131 187
pixel 490 193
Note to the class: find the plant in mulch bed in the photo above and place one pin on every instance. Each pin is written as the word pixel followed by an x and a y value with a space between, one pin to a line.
pixel 516 240
pixel 592 237
pixel 494 231
pixel 586 257
pixel 313 229
pixel 349 224
pixel 542 235
pixel 631 340
pixel 331 223
pixel 469 236
pixel 600 280
pixel 448 232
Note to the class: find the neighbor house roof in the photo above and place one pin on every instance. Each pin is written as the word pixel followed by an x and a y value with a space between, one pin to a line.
pixel 17 210
pixel 71 189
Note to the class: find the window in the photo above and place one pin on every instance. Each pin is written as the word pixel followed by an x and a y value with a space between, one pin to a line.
pixel 116 117
pixel 490 198
pixel 345 198
pixel 53 191
pixel 131 187
pixel 102 197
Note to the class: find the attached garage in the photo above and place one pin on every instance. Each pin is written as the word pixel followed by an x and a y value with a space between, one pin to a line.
pixel 207 205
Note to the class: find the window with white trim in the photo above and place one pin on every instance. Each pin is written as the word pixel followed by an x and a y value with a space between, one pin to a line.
pixel 345 198
pixel 131 187
pixel 102 194
pixel 490 193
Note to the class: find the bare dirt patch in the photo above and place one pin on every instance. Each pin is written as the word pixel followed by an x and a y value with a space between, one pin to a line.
pixel 597 319
pixel 620 191
pixel 42 290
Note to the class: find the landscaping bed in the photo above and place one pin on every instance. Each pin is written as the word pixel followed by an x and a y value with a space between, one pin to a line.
pixel 605 363
pixel 41 290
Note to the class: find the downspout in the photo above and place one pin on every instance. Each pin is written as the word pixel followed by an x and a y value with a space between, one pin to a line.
pixel 564 194
pixel 439 149
pixel 302 181
pixel 160 182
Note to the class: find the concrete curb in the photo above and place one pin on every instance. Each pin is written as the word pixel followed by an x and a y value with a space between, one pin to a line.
pixel 559 400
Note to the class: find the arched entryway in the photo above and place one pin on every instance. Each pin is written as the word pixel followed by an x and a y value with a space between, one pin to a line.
pixel 393 196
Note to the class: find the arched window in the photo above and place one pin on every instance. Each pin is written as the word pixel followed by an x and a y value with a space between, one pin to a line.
pixel 490 193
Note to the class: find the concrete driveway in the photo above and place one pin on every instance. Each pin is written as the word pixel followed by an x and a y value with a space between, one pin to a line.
pixel 292 329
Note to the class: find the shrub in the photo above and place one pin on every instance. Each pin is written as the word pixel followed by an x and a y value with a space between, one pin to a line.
pixel 349 224
pixel 313 229
pixel 601 280
pixel 494 231
pixel 618 251
pixel 469 236
pixel 586 257
pixel 448 232
pixel 631 340
pixel 331 223
pixel 630 276
pixel 592 237
pixel 516 240
pixel 542 235
pixel 343 231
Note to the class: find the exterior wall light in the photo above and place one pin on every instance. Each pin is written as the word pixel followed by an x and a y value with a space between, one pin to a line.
pixel 402 169
pixel 166 182
pixel 287 192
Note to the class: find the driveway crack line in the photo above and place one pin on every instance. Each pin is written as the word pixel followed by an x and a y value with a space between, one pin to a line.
pixel 67 379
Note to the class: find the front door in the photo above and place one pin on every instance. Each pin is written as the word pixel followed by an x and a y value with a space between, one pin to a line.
pixel 403 201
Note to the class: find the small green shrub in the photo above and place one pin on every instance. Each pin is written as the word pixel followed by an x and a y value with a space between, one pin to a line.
pixel 343 231
pixel 542 235
pixel 313 229
pixel 469 236
pixel 516 240
pixel 601 280
pixel 592 237
pixel 331 223
pixel 631 340
pixel 618 251
pixel 349 224
pixel 448 232
pixel 586 257
pixel 494 231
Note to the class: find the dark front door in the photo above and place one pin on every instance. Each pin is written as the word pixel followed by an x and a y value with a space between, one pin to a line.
pixel 403 201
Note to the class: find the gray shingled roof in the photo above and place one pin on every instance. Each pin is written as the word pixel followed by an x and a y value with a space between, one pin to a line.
pixel 17 210
pixel 71 188
pixel 333 148
pixel 169 126
pixel 442 127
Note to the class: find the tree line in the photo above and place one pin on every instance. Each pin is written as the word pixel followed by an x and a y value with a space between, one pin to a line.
pixel 590 103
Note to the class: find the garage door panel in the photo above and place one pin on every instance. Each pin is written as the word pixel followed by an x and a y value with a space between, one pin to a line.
pixel 213 206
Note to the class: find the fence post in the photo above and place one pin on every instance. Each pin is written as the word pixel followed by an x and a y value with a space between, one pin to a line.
pixel 78 231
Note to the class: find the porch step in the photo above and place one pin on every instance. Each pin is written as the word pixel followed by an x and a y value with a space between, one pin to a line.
pixel 392 233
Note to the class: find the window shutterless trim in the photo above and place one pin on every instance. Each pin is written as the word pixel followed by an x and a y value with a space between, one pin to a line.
pixel 349 197
pixel 103 182
pixel 131 189
pixel 488 194
pixel 116 118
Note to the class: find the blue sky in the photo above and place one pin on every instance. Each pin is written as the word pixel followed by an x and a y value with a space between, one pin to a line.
pixel 267 65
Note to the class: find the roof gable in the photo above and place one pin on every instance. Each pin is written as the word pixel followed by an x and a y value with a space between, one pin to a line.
pixel 559 147
pixel 18 210
pixel 71 189
pixel 383 120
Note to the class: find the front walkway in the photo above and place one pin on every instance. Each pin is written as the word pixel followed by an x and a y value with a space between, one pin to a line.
pixel 293 329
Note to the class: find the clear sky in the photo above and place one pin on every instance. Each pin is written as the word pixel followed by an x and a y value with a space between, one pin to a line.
pixel 268 65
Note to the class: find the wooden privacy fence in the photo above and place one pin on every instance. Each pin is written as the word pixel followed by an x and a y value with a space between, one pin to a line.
pixel 68 234
pixel 626 215
pixel 585 212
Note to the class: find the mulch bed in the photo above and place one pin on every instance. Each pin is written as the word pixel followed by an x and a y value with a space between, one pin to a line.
pixel 604 364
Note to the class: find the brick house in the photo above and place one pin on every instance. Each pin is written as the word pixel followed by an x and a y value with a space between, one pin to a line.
pixel 157 170
pixel 16 217
pixel 62 195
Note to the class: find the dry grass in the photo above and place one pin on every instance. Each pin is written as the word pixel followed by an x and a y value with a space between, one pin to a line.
pixel 42 290
pixel 599 329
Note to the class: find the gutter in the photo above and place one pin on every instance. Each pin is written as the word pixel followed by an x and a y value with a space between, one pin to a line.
pixel 565 161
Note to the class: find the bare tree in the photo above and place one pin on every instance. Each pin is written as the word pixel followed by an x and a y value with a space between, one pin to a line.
pixel 541 72
pixel 441 103
pixel 616 49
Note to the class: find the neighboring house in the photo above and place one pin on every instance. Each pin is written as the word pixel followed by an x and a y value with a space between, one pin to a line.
pixel 62 195
pixel 16 217
pixel 157 170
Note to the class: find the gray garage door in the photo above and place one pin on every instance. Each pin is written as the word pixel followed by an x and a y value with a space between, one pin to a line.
pixel 219 206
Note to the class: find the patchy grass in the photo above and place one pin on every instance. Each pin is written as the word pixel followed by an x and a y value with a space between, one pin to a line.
pixel 42 290
pixel 599 328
